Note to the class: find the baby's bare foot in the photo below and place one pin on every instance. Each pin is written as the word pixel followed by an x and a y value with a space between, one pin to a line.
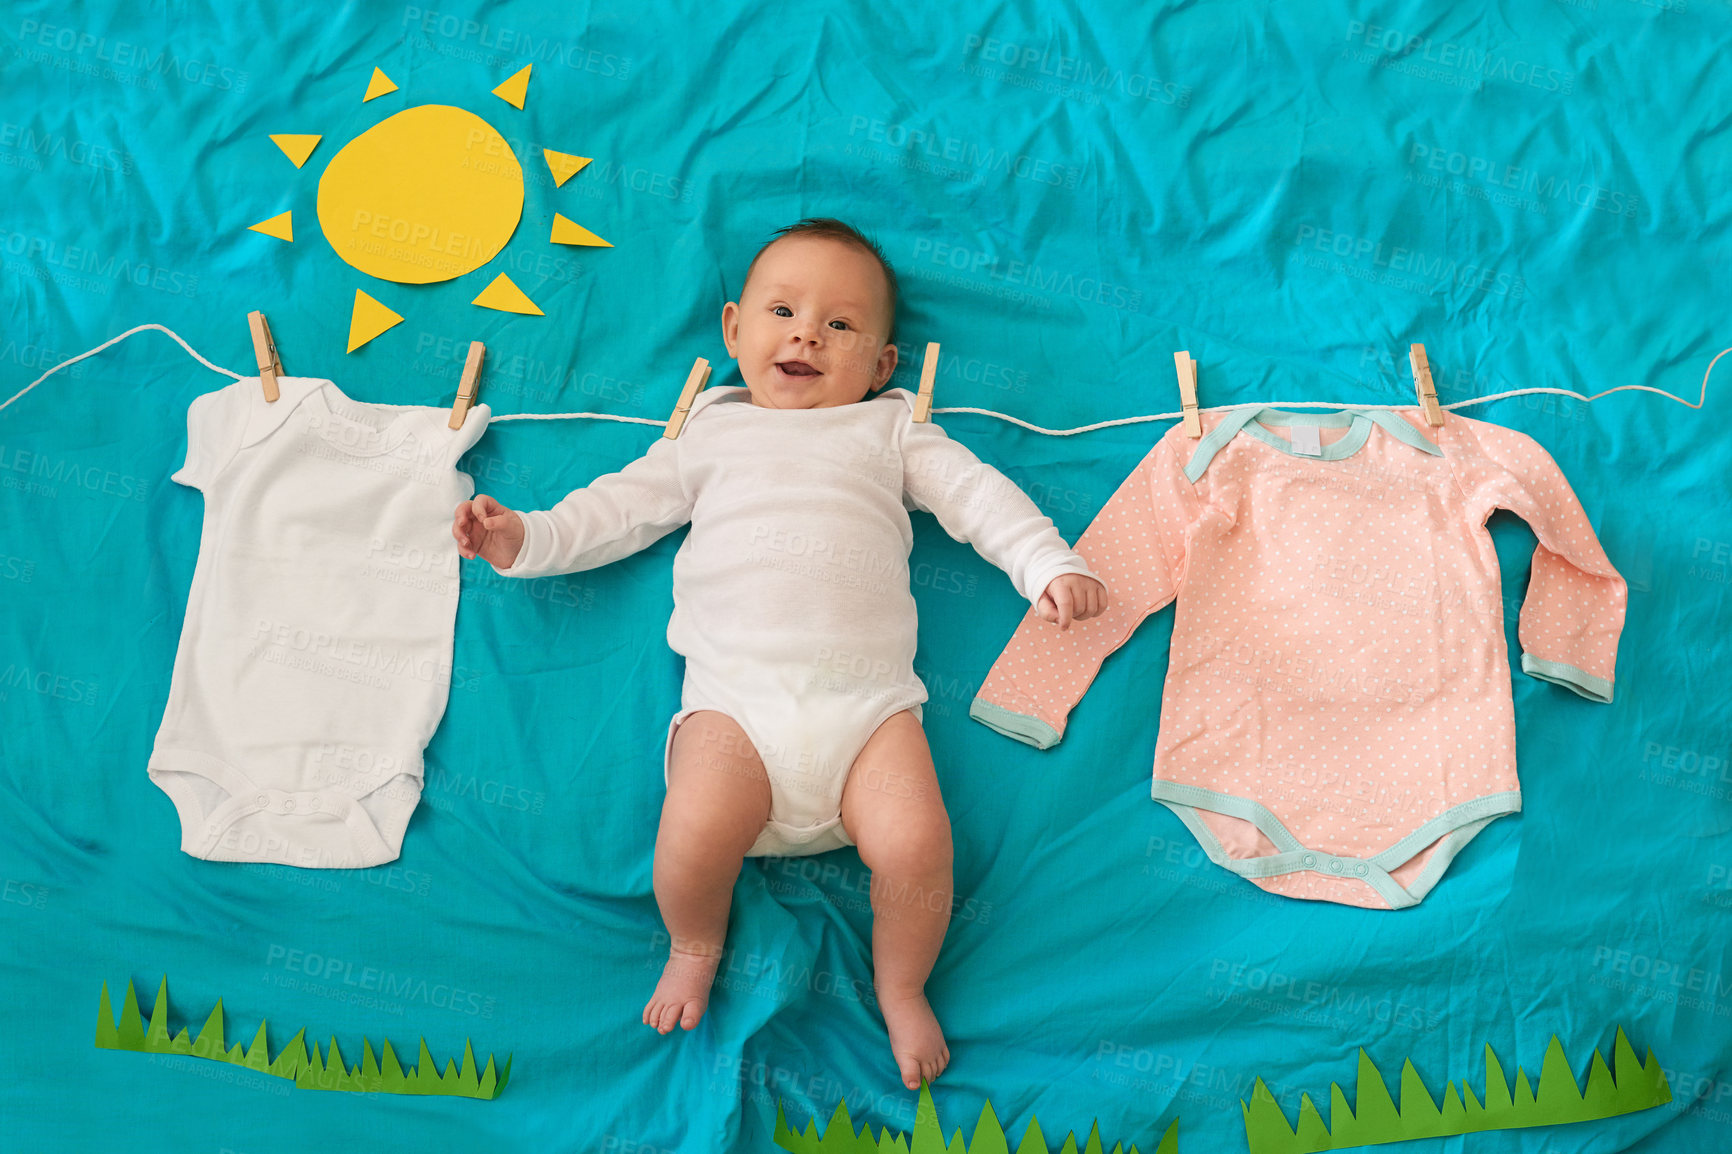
pixel 683 993
pixel 916 1042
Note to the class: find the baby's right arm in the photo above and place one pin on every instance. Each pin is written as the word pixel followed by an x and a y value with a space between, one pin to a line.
pixel 612 517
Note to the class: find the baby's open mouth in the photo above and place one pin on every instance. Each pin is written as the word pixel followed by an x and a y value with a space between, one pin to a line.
pixel 797 369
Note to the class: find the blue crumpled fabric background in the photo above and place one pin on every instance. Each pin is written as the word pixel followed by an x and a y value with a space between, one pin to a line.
pixel 1538 192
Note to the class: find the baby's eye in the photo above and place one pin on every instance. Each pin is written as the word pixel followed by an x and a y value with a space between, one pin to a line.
pixel 784 311
pixel 839 324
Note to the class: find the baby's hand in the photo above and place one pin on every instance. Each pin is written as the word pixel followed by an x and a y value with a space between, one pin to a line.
pixel 1072 597
pixel 484 526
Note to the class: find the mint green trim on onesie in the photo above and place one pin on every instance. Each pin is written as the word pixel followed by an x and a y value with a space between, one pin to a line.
pixel 1030 730
pixel 1216 439
pixel 1456 826
pixel 1402 431
pixel 1591 687
pixel 1251 419
pixel 1347 446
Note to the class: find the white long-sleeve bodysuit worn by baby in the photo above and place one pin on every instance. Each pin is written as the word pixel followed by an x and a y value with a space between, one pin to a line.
pixel 315 659
pixel 791 592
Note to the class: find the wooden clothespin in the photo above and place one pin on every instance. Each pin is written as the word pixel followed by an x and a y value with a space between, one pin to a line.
pixel 1422 384
pixel 469 385
pixel 1187 370
pixel 695 381
pixel 928 374
pixel 265 349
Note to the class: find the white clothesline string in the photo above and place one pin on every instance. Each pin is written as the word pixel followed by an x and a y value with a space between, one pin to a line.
pixel 1174 415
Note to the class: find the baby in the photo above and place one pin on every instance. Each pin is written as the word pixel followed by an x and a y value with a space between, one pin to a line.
pixel 799 728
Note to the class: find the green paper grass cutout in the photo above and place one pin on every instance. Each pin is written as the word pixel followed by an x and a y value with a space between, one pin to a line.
pixel 383 1074
pixel 928 1136
pixel 1558 1100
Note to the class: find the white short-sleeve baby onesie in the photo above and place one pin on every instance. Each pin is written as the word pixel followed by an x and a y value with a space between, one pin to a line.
pixel 315 657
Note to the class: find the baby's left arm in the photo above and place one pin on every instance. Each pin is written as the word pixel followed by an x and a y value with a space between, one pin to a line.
pixel 980 505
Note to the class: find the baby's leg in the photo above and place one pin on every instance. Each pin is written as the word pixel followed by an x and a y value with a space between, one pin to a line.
pixel 718 801
pixel 892 810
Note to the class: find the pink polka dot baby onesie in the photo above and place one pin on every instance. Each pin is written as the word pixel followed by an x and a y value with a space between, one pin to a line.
pixel 1336 722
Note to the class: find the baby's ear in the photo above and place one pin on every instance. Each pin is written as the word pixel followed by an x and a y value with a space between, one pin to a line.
pixel 887 357
pixel 730 324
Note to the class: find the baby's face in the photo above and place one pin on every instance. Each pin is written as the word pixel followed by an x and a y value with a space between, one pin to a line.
pixel 809 327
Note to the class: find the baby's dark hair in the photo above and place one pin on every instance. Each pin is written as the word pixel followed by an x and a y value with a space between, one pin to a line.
pixel 829 228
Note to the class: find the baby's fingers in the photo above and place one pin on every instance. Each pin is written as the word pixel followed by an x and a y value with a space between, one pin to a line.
pixel 1063 600
pixel 1097 600
pixel 493 514
pixel 467 529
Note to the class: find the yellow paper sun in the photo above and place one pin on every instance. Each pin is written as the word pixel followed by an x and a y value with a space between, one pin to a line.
pixel 428 194
pixel 423 196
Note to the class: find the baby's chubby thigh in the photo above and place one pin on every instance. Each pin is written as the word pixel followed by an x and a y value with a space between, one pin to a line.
pixel 718 793
pixel 891 805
